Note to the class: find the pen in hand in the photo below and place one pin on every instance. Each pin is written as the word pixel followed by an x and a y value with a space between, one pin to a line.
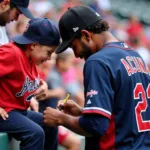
pixel 64 101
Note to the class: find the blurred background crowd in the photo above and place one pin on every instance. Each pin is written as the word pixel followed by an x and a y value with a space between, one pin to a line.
pixel 129 21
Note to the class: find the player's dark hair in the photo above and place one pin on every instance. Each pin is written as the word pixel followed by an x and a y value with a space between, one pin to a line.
pixel 98 27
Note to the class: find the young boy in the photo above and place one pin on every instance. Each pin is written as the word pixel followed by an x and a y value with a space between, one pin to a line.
pixel 19 80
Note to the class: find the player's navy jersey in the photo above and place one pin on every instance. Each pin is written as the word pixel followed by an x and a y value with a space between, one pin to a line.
pixel 18 78
pixel 117 86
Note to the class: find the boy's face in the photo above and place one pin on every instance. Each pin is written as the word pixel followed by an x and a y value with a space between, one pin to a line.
pixel 41 53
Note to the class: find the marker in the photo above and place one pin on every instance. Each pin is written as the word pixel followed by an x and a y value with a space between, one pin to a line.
pixel 64 101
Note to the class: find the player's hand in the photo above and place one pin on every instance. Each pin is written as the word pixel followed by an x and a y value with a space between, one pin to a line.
pixel 70 107
pixel 3 114
pixel 34 104
pixel 41 92
pixel 52 117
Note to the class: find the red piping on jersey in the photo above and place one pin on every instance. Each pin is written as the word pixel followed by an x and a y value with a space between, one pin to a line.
pixel 96 112
pixel 107 141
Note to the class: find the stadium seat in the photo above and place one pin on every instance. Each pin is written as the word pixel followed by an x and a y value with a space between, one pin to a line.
pixel 4 141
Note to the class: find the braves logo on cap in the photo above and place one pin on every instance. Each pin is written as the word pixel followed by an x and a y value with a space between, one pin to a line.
pixel 26 28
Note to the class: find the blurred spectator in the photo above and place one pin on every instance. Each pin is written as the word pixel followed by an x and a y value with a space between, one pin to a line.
pixel 105 5
pixel 147 32
pixel 143 51
pixel 71 78
pixel 66 5
pixel 16 28
pixel 78 66
pixel 64 66
pixel 134 27
pixel 119 32
pixel 95 6
pixel 41 7
pixel 56 92
pixel 68 139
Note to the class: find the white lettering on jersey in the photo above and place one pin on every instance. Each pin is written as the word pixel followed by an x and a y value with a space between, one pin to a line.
pixel 134 65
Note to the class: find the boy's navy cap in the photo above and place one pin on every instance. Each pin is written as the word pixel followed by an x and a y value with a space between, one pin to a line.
pixel 73 21
pixel 39 30
pixel 22 5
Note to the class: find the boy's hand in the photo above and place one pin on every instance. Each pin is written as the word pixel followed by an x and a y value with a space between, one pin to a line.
pixel 41 92
pixel 3 114
pixel 34 104
pixel 70 107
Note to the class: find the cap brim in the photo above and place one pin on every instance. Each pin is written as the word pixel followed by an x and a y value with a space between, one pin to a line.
pixel 63 46
pixel 20 39
pixel 26 12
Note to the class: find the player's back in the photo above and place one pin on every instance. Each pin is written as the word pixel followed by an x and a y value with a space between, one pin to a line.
pixel 130 81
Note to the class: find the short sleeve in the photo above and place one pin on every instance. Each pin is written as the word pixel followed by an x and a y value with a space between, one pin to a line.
pixel 99 94
pixel 7 60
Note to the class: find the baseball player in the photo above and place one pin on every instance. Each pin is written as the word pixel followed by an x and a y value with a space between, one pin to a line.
pixel 116 82
pixel 20 81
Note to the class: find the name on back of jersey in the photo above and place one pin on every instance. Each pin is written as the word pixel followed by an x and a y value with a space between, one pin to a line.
pixel 134 65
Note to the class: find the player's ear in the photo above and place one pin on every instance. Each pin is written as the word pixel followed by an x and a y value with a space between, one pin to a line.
pixel 86 35
pixel 5 5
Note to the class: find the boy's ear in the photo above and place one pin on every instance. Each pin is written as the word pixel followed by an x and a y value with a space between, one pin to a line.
pixel 5 5
pixel 33 46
